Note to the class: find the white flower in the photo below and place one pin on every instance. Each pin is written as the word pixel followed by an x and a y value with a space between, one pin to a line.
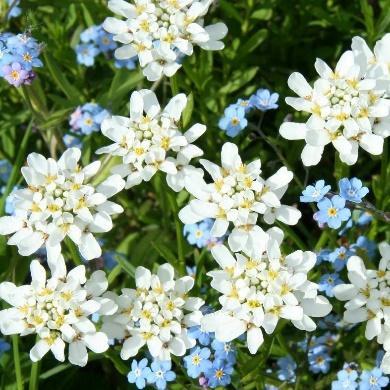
pixel 156 314
pixel 150 140
pixel 368 297
pixel 160 32
pixel 348 107
pixel 60 202
pixel 256 291
pixel 58 310
pixel 237 195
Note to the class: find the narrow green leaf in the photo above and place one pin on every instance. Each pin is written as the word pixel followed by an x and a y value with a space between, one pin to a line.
pixel 187 113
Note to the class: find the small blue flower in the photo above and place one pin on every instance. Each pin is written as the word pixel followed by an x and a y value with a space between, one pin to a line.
pixel 4 346
pixel 204 338
pixel 364 247
pixel 105 41
pixel 15 11
pixel 314 193
pixel 71 141
pixel 139 373
pixel 86 54
pixel 191 271
pixel 224 351
pixel 332 211
pixel 88 118
pixel 352 190
pixel 323 255
pixel 264 100
pixel 197 362
pixel 199 233
pixel 339 257
pixel 219 374
pixel 10 202
pixel 287 367
pixel 5 170
pixel 233 121
pixel 319 361
pixel 161 374
pixel 129 64
pixel 346 379
pixel 327 282
pixel 245 104
pixel 373 380
pixel 90 34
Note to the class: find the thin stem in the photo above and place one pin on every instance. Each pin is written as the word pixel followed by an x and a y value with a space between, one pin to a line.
pixel 156 84
pixel 18 370
pixel 13 4
pixel 73 252
pixel 34 376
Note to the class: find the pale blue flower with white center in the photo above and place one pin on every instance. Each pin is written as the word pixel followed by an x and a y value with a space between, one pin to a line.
pixel 224 351
pixel 245 104
pixel 286 369
pixel 346 379
pixel 327 283
pixel 233 121
pixel 319 362
pixel 332 212
pixel 264 100
pixel 339 257
pixel 88 118
pixel 323 255
pixel 315 192
pixel 71 141
pixel 139 373
pixel 373 380
pixel 219 374
pixel 204 338
pixel 352 189
pixel 86 54
pixel 90 34
pixel 199 233
pixel 105 41
pixel 161 374
pixel 197 361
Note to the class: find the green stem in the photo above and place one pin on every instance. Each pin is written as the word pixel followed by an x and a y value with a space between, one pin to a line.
pixel 73 252
pixel 384 171
pixel 34 376
pixel 179 233
pixel 174 85
pixel 18 370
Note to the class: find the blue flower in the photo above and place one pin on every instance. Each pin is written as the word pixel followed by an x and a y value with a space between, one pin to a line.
pixel 314 193
pixel 323 255
pixel 196 333
pixel 4 346
pixel 90 34
pixel 9 202
pixel 364 247
pixel 332 211
pixel 105 41
pixel 161 374
pixel 197 362
pixel 373 380
pixel 327 282
pixel 87 119
pixel 128 64
pixel 224 351
pixel 219 374
pixel 287 367
pixel 319 361
pixel 233 121
pixel 199 233
pixel 352 190
pixel 191 271
pixel 264 100
pixel 86 54
pixel 139 373
pixel 5 170
pixel 15 11
pixel 245 104
pixel 346 379
pixel 339 257
pixel 71 141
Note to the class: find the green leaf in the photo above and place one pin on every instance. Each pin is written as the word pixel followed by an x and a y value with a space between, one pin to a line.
pixel 256 39
pixel 239 79
pixel 61 80
pixel 119 364
pixel 187 113
pixel 262 14
pixel 165 252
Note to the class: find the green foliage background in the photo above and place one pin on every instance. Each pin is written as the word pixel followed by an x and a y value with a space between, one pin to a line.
pixel 267 40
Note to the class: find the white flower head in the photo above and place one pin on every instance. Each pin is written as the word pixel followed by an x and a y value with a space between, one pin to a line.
pixel 256 291
pixel 368 297
pixel 58 311
pixel 238 195
pixel 157 313
pixel 348 106
pixel 150 140
pixel 160 32
pixel 59 202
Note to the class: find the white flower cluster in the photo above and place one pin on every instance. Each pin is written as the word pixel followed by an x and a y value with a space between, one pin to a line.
pixel 150 141
pixel 237 195
pixel 58 310
pixel 256 291
pixel 368 298
pixel 160 32
pixel 59 202
pixel 156 314
pixel 349 107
